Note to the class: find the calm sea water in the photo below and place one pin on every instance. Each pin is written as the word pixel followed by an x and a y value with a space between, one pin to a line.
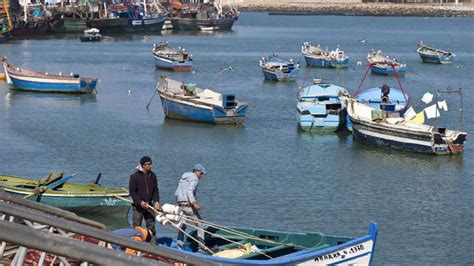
pixel 265 174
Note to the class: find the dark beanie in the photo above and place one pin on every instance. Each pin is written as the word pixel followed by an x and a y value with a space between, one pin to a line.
pixel 144 160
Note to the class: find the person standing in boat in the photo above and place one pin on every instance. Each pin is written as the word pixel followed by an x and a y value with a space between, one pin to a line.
pixel 187 202
pixel 143 188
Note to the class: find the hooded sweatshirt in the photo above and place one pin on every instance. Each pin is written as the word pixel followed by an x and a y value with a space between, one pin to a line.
pixel 143 187
pixel 187 186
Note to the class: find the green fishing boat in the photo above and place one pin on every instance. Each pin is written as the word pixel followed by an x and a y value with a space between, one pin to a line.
pixel 53 190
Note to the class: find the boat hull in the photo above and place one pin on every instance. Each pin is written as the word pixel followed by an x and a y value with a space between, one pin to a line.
pixel 330 123
pixel 325 63
pixel 279 75
pixel 90 38
pixel 73 197
pixel 127 24
pixel 73 25
pixel 80 204
pixel 388 71
pixel 350 251
pixel 178 109
pixel 46 85
pixel 373 133
pixel 432 59
pixel 174 65
pixel 203 24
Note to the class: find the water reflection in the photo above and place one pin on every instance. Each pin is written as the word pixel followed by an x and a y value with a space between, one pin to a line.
pixel 13 97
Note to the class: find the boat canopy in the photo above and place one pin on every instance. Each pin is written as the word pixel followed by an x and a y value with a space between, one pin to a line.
pixel 329 90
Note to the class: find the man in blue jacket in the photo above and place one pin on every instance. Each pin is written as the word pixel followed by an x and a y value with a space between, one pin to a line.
pixel 143 188
pixel 187 202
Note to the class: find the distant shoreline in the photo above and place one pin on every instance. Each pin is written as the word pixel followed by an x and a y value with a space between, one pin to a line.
pixel 358 9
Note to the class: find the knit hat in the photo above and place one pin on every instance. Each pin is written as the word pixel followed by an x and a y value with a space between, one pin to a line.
pixel 144 160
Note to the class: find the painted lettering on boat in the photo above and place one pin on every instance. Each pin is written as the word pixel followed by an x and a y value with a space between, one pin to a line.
pixel 341 254
pixel 109 202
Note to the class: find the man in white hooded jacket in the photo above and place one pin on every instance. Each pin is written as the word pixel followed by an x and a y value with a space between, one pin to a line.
pixel 187 202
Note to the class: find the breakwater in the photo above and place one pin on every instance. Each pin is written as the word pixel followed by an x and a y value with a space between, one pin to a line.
pixel 365 9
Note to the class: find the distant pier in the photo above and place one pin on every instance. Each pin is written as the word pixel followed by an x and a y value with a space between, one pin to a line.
pixel 359 9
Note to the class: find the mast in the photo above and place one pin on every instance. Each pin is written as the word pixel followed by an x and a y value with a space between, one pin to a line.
pixel 25 11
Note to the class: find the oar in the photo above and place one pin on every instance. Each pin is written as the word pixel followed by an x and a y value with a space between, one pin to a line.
pixel 51 186
pixel 98 178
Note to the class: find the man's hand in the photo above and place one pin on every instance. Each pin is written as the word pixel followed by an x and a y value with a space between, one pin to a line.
pixel 196 205
pixel 157 206
pixel 143 205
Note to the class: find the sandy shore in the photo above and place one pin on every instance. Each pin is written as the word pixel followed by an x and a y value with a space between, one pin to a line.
pixel 355 9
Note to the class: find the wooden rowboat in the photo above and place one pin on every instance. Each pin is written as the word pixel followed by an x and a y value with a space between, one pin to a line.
pixel 90 198
pixel 241 246
pixel 28 80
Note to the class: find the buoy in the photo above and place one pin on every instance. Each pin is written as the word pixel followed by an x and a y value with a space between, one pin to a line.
pixel 359 63
pixel 129 91
pixel 2 76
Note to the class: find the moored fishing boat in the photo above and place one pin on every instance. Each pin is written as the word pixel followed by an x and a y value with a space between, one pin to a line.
pixel 28 80
pixel 203 17
pixel 278 69
pixel 55 191
pixel 130 17
pixel 244 246
pixel 435 56
pixel 385 65
pixel 187 102
pixel 35 20
pixel 172 59
pixel 320 107
pixel 390 129
pixel 91 35
pixel 315 56
pixel 7 25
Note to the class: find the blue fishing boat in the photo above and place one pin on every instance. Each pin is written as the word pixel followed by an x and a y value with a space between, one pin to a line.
pixel 320 108
pixel 435 56
pixel 131 17
pixel 385 65
pixel 172 59
pixel 277 69
pixel 27 80
pixel 315 56
pixel 187 102
pixel 91 35
pixel 245 246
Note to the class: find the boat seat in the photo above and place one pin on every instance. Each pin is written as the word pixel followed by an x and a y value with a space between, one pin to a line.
pixel 231 245
pixel 267 251
pixel 50 178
